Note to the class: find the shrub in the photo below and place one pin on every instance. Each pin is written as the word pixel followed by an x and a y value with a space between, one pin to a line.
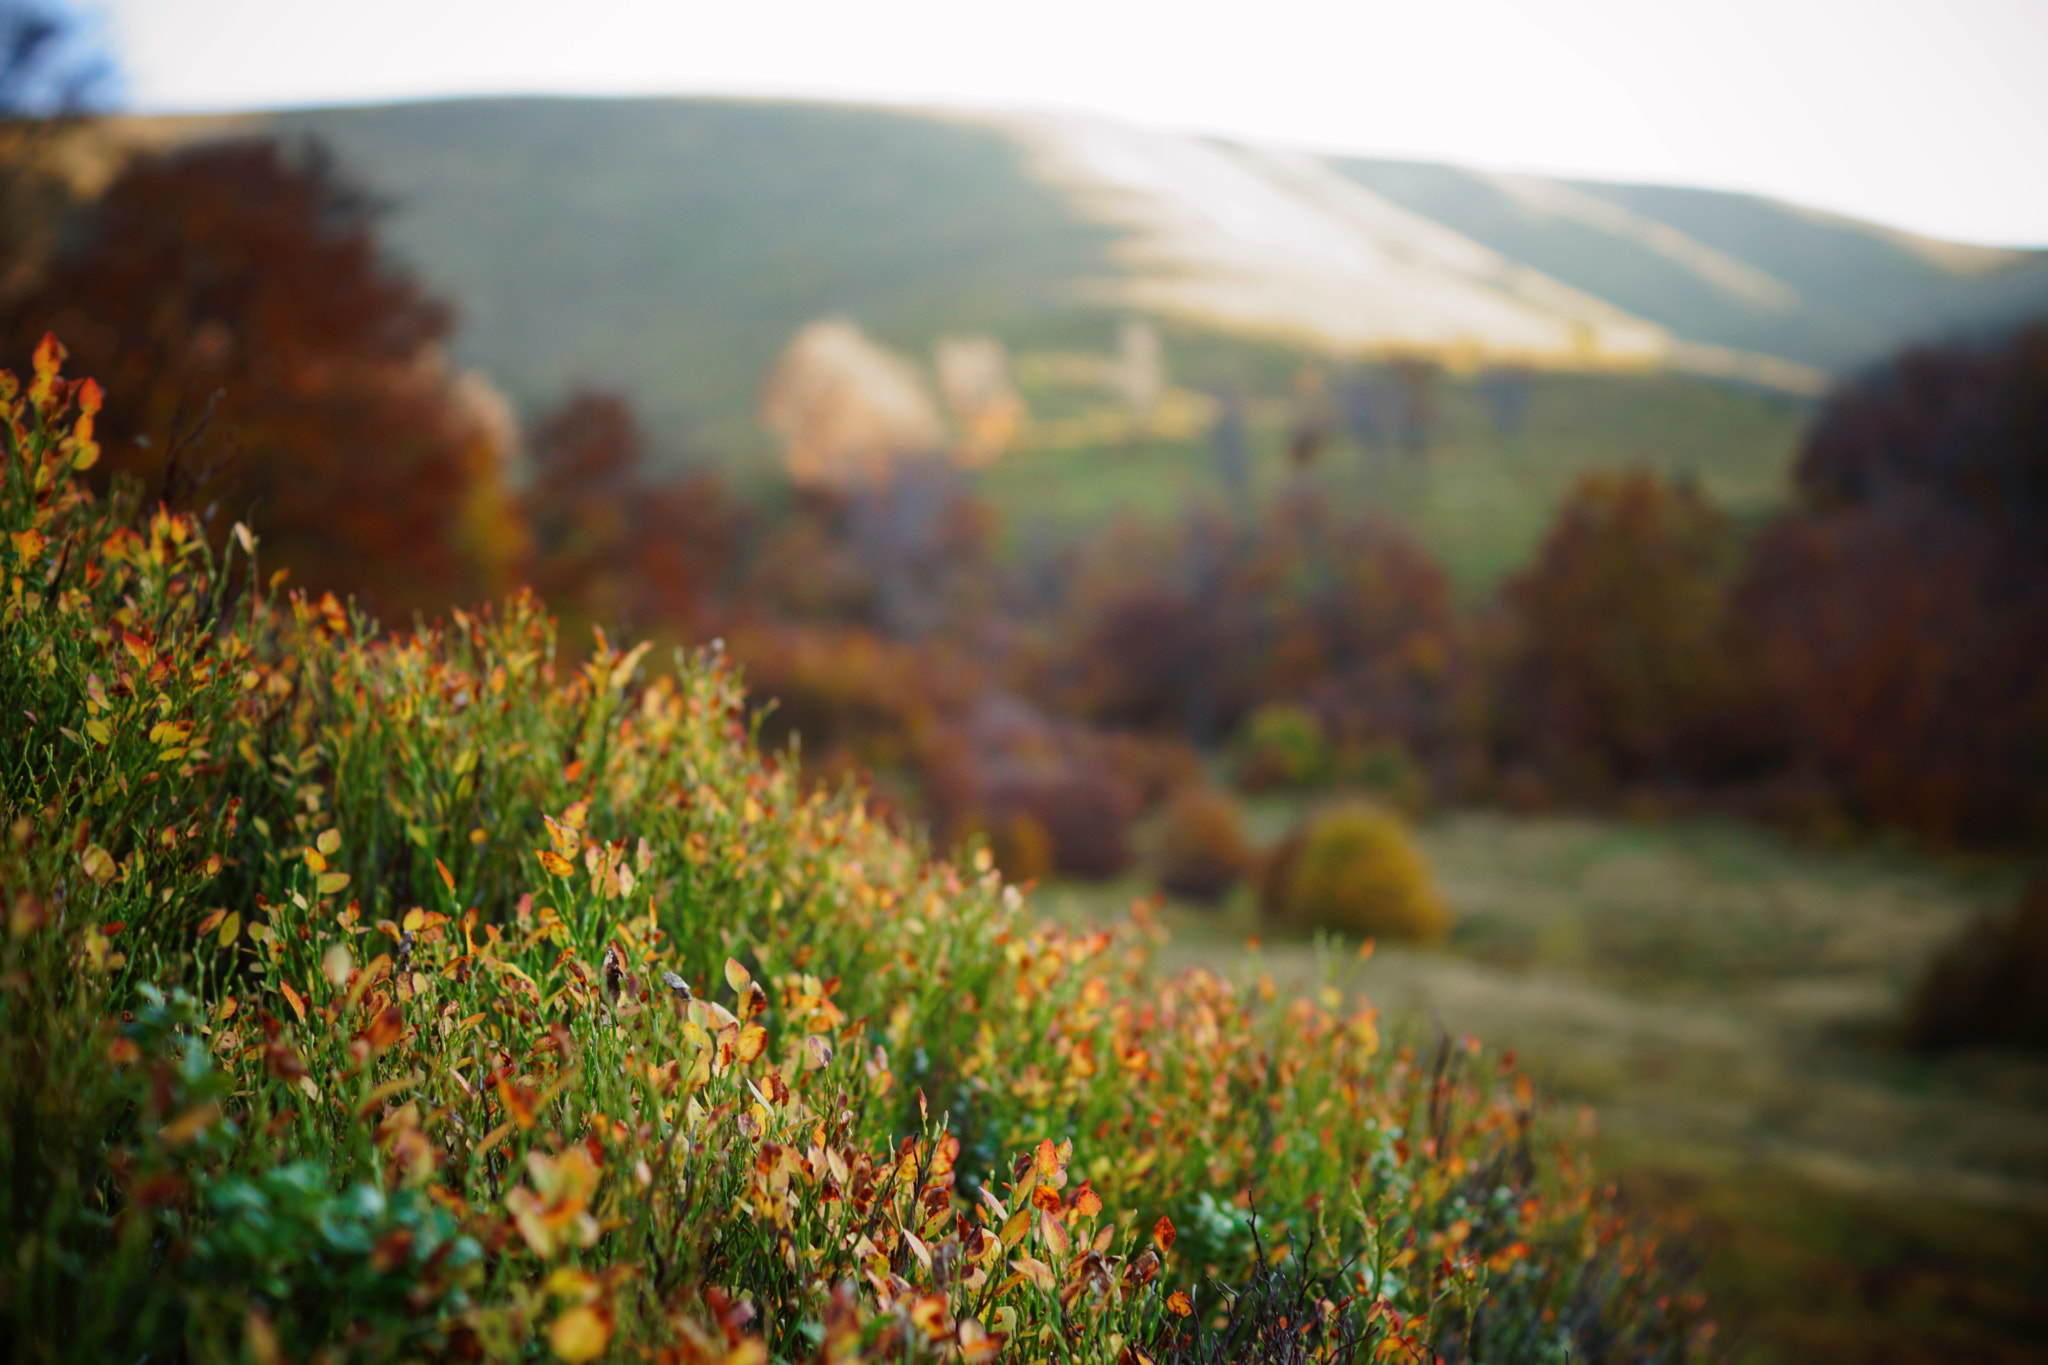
pixel 1991 984
pixel 433 996
pixel 1354 868
pixel 1281 745
pixel 1201 850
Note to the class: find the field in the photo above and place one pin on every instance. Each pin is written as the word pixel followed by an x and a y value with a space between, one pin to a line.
pixel 1479 499
pixel 1722 1003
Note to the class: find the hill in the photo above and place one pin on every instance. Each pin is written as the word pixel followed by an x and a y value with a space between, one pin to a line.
pixel 672 245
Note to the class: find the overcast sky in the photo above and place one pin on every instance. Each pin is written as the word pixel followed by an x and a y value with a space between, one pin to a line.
pixel 1927 114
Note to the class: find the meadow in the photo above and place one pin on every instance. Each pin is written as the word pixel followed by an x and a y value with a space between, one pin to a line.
pixel 1479 498
pixel 1726 1005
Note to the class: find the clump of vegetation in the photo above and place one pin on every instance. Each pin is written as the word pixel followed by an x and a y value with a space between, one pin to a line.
pixel 1386 772
pixel 1200 849
pixel 432 995
pixel 1991 985
pixel 1353 868
pixel 1282 745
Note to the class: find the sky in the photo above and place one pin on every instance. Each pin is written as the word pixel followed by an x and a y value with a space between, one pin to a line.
pixel 1929 115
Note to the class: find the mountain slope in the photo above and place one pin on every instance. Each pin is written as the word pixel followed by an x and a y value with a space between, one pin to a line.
pixel 671 246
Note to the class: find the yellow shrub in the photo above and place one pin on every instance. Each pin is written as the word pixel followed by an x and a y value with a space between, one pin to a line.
pixel 1354 869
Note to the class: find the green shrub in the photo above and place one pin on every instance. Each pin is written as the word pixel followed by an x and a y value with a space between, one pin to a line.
pixel 1354 869
pixel 1281 746
pixel 1200 847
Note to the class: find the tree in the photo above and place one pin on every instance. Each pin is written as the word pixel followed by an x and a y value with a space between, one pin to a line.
pixel 1901 613
pixel 232 300
pixel 1619 662
pixel 609 543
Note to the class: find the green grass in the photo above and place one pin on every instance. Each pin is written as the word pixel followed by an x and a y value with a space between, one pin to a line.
pixel 1723 1001
pixel 1478 500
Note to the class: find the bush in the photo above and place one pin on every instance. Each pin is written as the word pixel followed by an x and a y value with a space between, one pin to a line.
pixel 431 996
pixel 1281 745
pixel 1201 848
pixel 1991 985
pixel 1354 869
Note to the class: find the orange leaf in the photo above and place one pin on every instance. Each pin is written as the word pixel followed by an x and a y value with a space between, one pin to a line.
pixel 385 1029
pixel 1162 1233
pixel 298 1005
pixel 447 877
pixel 556 864
pixel 753 1042
pixel 1087 1203
pixel 1178 1303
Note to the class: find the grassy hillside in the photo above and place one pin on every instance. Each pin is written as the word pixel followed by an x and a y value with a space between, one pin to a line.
pixel 672 246
pixel 442 996
pixel 1802 286
pixel 1480 498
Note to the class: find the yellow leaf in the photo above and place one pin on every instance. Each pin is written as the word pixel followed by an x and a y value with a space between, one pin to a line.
pixel 568 1282
pixel 415 920
pixel 29 544
pixel 580 1334
pixel 555 864
pixel 329 841
pixel 331 882
pixel 1178 1303
pixel 98 864
pixel 753 1042
pixel 99 731
pixel 314 860
pixel 230 929
pixel 736 976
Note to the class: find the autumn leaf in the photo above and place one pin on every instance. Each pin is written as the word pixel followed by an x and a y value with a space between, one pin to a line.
pixel 1162 1233
pixel 555 864
pixel 1177 1303
pixel 331 882
pixel 736 976
pixel 98 864
pixel 329 842
pixel 385 1029
pixel 581 1334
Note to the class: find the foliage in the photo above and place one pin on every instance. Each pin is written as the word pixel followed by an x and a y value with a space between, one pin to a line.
pixel 232 299
pixel 624 550
pixel 1991 985
pixel 425 995
pixel 1200 847
pixel 1282 745
pixel 1901 614
pixel 1341 614
pixel 1354 868
pixel 1617 661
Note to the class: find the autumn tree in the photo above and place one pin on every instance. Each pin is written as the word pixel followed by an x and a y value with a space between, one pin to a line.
pixel 1616 660
pixel 1901 611
pixel 233 301
pixel 613 543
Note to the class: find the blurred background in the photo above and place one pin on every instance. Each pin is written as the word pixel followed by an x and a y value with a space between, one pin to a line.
pixel 1555 490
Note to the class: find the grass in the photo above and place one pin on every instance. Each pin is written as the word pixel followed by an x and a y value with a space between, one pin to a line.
pixel 440 995
pixel 1479 501
pixel 1724 1002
